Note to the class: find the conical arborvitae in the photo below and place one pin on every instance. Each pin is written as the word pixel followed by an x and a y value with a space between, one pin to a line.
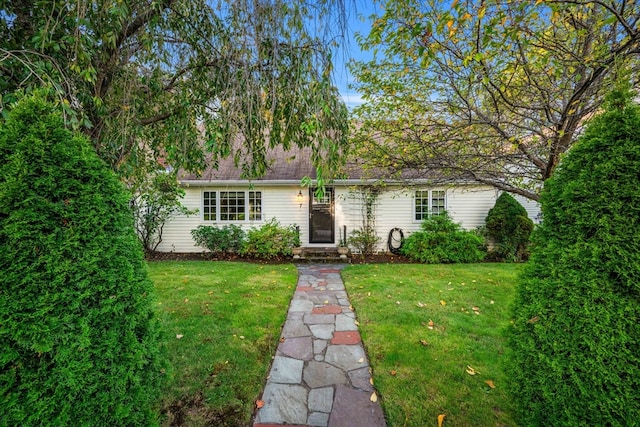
pixel 79 340
pixel 509 227
pixel 575 341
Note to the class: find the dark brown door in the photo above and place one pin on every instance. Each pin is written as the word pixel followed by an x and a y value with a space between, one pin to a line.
pixel 321 217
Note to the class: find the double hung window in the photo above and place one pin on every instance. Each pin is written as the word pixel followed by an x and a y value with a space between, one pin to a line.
pixel 231 206
pixel 428 202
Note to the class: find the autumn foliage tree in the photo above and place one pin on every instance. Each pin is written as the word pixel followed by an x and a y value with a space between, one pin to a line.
pixel 488 91
pixel 575 339
pixel 79 338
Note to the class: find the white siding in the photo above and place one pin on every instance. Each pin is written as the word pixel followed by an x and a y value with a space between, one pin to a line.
pixel 532 207
pixel 394 207
pixel 467 206
pixel 278 202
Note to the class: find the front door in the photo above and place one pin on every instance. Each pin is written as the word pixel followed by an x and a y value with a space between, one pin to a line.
pixel 321 217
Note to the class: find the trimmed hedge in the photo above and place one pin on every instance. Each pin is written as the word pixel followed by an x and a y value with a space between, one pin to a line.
pixel 79 340
pixel 509 227
pixel 575 341
pixel 440 240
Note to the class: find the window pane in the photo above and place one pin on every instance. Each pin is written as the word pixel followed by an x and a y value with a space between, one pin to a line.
pixel 209 205
pixel 422 205
pixel 255 205
pixel 231 205
pixel 427 203
pixel 437 202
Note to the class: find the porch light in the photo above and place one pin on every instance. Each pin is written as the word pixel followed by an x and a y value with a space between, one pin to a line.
pixel 300 198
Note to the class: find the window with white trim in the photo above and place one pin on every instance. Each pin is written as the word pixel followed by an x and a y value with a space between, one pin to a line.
pixel 231 205
pixel 428 202
pixel 209 210
pixel 255 205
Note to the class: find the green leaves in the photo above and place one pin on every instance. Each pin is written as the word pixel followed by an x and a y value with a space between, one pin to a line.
pixel 75 303
pixel 492 92
pixel 440 240
pixel 576 311
pixel 151 81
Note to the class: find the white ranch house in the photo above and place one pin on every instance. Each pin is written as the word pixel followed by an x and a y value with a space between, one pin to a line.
pixel 222 197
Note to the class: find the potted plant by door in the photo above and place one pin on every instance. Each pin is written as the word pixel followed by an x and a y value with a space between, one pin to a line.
pixel 343 249
pixel 297 248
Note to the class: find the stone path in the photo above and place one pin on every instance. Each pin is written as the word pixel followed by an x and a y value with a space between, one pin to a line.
pixel 320 375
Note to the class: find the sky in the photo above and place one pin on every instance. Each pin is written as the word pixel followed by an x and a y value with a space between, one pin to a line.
pixel 358 22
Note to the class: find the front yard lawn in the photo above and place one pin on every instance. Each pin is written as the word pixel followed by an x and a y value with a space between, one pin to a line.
pixel 426 328
pixel 434 336
pixel 221 323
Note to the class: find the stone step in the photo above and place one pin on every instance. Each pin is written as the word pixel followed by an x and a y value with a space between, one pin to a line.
pixel 322 255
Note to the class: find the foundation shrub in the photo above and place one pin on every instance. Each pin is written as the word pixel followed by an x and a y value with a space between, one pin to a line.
pixel 227 239
pixel 574 356
pixel 509 228
pixel 364 240
pixel 440 240
pixel 271 240
pixel 79 339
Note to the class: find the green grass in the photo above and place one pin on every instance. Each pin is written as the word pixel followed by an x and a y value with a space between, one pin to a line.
pixel 229 316
pixel 221 323
pixel 420 372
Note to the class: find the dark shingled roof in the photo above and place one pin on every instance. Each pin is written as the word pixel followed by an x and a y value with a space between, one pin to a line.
pixel 295 164
pixel 292 165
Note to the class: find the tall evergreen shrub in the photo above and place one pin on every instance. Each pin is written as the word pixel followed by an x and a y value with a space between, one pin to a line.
pixel 575 341
pixel 509 227
pixel 79 340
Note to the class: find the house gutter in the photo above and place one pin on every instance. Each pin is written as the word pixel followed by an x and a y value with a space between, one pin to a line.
pixel 296 182
pixel 271 182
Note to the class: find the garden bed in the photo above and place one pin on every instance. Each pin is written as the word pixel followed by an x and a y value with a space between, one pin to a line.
pixel 384 258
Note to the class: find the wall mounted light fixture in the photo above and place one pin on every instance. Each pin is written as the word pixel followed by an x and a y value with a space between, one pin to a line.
pixel 300 198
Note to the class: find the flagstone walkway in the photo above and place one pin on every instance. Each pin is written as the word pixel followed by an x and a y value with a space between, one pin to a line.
pixel 320 374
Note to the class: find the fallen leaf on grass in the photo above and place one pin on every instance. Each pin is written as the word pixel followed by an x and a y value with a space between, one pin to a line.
pixel 259 404
pixel 424 342
pixel 441 419
pixel 420 304
pixel 430 324
pixel 179 336
pixel 374 397
pixel 490 384
pixel 471 371
pixel 443 302
pixel 393 373
pixel 476 310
